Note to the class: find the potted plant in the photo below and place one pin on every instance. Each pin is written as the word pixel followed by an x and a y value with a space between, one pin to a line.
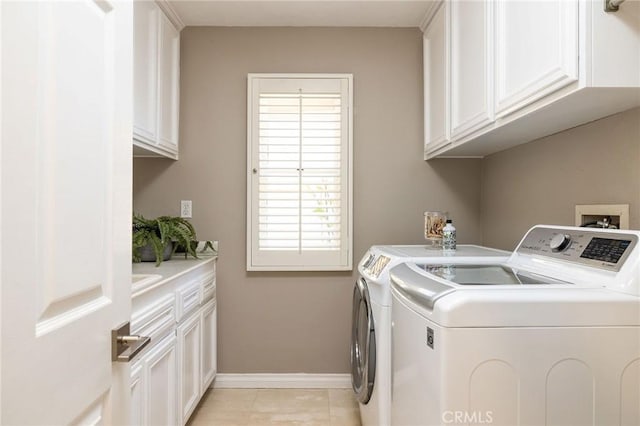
pixel 156 239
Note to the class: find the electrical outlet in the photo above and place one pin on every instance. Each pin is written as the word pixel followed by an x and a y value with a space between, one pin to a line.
pixel 185 208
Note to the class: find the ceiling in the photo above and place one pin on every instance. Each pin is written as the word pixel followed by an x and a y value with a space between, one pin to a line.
pixel 302 13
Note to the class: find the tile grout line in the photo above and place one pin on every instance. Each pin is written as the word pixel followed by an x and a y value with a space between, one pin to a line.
pixel 253 404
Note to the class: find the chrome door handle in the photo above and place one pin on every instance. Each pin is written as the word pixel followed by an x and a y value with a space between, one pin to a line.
pixel 125 347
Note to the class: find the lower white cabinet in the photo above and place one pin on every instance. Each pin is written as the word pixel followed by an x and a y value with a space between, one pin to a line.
pixel 196 357
pixel 137 394
pixel 154 393
pixel 161 383
pixel 208 359
pixel 189 343
pixel 178 312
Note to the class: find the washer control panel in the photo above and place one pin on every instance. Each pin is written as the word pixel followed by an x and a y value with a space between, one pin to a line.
pixel 560 242
pixel 601 249
pixel 376 266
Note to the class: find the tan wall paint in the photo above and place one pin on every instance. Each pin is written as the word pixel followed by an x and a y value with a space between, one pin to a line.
pixel 542 181
pixel 300 322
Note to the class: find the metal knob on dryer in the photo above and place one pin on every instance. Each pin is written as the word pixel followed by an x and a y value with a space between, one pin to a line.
pixel 560 242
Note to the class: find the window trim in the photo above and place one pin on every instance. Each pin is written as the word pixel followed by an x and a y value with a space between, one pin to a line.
pixel 348 228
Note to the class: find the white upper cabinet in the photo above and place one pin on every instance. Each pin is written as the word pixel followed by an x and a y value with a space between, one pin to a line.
pixel 471 78
pixel 435 81
pixel 516 71
pixel 536 50
pixel 169 62
pixel 156 81
pixel 145 70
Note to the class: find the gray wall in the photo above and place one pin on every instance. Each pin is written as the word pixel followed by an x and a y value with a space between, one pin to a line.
pixel 300 322
pixel 542 181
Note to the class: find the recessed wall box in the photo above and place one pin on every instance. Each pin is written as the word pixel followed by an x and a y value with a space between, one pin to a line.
pixel 603 215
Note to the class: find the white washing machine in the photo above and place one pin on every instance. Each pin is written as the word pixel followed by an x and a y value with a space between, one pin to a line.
pixel 371 327
pixel 549 337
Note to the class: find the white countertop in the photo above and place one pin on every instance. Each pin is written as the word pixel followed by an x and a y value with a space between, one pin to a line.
pixel 146 276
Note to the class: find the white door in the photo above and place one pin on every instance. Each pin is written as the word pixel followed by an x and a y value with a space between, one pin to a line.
pixel 189 366
pixel 65 210
pixel 536 50
pixel 436 81
pixel 169 63
pixel 161 401
pixel 208 360
pixel 471 66
pixel 138 394
pixel 145 69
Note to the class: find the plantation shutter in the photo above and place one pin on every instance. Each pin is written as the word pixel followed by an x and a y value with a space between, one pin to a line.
pixel 299 206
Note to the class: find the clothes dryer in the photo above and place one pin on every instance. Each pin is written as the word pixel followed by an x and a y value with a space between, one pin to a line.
pixel 371 325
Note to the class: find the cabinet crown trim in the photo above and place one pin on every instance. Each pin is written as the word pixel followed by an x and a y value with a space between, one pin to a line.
pixel 429 14
pixel 171 13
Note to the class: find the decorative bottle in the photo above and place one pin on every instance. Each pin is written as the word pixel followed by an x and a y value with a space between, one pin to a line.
pixel 449 237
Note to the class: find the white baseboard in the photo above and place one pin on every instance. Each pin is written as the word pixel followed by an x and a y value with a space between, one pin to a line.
pixel 291 381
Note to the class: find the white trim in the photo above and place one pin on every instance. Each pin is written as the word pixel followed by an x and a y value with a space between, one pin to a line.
pixel 278 260
pixel 171 14
pixel 142 149
pixel 1 188
pixel 429 14
pixel 282 381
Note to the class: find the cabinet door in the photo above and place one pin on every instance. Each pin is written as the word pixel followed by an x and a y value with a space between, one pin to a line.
pixel 169 74
pixel 435 81
pixel 145 69
pixel 208 360
pixel 161 384
pixel 138 397
pixel 536 45
pixel 471 69
pixel 189 366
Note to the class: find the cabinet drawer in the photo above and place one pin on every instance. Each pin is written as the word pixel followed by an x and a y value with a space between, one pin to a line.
pixel 208 287
pixel 209 292
pixel 187 299
pixel 155 321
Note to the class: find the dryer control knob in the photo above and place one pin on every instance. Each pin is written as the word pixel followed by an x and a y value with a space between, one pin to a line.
pixel 560 242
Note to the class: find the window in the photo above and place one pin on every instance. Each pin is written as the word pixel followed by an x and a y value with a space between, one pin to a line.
pixel 299 182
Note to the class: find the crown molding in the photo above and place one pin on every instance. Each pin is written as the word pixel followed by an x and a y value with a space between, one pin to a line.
pixel 428 15
pixel 171 13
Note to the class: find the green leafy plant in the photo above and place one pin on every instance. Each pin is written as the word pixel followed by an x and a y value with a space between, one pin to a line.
pixel 159 232
pixel 208 245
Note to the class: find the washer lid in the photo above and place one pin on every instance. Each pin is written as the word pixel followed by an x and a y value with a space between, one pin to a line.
pixel 486 275
pixel 419 290
pixel 544 304
pixel 438 255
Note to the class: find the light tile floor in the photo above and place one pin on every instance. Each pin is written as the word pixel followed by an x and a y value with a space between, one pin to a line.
pixel 287 407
